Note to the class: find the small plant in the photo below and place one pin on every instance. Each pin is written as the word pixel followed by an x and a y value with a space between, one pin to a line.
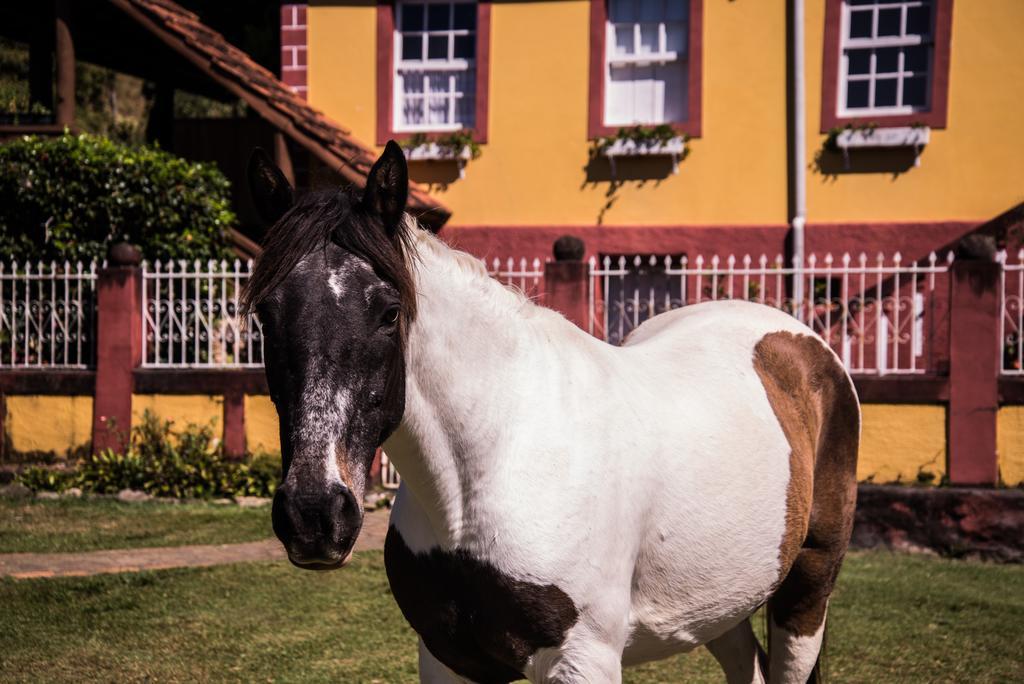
pixel 165 463
pixel 452 143
pixel 38 478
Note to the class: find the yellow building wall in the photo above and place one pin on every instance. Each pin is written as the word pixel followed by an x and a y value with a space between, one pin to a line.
pixel 1010 444
pixel 898 441
pixel 183 409
pixel 533 168
pixel 261 427
pixel 971 170
pixel 48 424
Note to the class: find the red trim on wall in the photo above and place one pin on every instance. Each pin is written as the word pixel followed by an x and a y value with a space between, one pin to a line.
pixel 595 113
pixel 385 71
pixel 914 240
pixel 935 117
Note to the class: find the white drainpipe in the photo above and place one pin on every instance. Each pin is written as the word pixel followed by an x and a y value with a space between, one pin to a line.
pixel 799 143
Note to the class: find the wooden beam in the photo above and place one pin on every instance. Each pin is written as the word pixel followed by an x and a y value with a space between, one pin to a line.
pixel 65 64
pixel 40 56
pixel 283 157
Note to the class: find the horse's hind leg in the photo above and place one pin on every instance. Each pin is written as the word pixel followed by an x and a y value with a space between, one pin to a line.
pixel 796 621
pixel 739 655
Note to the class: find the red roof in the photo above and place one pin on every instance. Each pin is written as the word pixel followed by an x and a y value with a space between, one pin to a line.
pixel 233 69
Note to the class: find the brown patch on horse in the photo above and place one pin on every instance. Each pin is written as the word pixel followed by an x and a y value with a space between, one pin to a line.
pixel 478 621
pixel 818 411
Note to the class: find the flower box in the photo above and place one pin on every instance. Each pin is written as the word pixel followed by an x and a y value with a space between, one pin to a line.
pixel 431 151
pixel 893 137
pixel 624 147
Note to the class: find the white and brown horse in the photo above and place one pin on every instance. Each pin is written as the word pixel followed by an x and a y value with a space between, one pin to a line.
pixel 567 507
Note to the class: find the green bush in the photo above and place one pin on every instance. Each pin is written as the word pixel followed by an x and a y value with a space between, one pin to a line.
pixel 38 478
pixel 186 465
pixel 68 197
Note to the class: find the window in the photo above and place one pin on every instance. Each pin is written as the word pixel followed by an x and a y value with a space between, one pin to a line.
pixel 887 54
pixel 886 62
pixel 435 66
pixel 646 54
pixel 645 64
pixel 432 67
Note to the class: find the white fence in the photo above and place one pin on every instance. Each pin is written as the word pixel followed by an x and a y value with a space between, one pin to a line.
pixel 47 315
pixel 527 275
pixel 191 316
pixel 880 315
pixel 1011 316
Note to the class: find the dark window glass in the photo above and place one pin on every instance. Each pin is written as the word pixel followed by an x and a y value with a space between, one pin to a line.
pixel 860 24
pixel 464 47
pixel 863 2
pixel 437 17
pixel 915 91
pixel 465 16
pixel 437 47
pixel 412 18
pixel 889 22
pixel 916 59
pixel 887 60
pixel 412 47
pixel 860 61
pixel 919 20
pixel 857 94
pixel 885 92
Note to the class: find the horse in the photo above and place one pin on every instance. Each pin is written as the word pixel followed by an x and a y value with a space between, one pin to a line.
pixel 567 507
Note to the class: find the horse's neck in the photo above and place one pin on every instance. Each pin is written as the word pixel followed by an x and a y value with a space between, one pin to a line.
pixel 469 344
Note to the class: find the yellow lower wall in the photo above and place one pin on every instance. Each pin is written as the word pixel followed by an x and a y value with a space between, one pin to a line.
pixel 183 409
pixel 261 433
pixel 1010 444
pixel 49 424
pixel 898 441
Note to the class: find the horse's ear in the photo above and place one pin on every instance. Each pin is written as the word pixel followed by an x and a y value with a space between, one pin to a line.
pixel 387 187
pixel 271 192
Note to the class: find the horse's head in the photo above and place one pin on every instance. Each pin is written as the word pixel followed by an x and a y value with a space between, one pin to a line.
pixel 334 295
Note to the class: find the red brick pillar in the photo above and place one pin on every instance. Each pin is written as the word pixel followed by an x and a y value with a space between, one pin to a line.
pixel 118 346
pixel 974 371
pixel 293 48
pixel 566 281
pixel 234 424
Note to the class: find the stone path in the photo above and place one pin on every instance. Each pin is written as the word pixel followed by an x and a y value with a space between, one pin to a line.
pixel 29 565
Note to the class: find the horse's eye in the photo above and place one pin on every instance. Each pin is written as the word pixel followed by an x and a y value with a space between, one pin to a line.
pixel 391 315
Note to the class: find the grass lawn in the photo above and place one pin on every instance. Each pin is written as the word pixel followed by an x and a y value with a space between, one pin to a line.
pixel 894 619
pixel 77 525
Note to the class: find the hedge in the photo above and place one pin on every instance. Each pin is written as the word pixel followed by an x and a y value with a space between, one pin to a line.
pixel 68 197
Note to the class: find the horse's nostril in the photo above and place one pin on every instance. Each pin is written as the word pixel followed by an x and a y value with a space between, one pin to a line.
pixel 317 525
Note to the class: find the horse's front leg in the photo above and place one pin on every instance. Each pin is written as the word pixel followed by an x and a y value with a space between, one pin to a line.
pixel 578 661
pixel 433 671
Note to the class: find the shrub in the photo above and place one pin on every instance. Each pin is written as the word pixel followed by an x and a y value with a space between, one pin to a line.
pixel 68 197
pixel 38 478
pixel 187 464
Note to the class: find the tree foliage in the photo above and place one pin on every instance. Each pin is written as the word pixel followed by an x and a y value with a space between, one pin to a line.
pixel 69 197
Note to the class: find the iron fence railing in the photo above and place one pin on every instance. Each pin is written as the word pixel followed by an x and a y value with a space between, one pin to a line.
pixel 47 315
pixel 191 316
pixel 880 315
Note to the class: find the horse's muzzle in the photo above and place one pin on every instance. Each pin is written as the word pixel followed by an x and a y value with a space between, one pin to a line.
pixel 318 528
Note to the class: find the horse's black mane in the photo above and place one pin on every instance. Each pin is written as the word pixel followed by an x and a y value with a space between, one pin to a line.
pixel 323 216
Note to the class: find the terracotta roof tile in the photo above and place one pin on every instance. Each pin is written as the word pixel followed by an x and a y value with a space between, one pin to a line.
pixel 331 143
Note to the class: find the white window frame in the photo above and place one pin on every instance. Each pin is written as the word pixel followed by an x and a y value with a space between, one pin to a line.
pixel 661 57
pixel 846 43
pixel 430 67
